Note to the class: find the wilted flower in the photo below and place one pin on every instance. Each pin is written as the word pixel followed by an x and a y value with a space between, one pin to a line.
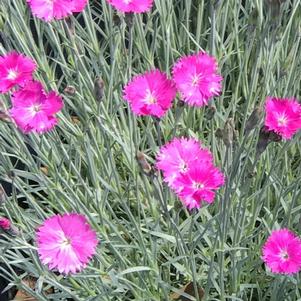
pixel 189 171
pixel 197 79
pixel 132 6
pixel 150 93
pixel 282 252
pixel 15 69
pixel 55 9
pixel 33 109
pixel 66 242
pixel 283 116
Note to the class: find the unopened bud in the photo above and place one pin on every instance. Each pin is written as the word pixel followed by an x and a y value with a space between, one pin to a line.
pixel 70 25
pixel 253 120
pixel 263 140
pixel 129 19
pixel 145 166
pixel 44 170
pixel 75 120
pixel 274 137
pixel 209 112
pixel 265 137
pixel 70 90
pixel 116 20
pixel 99 89
pixel 228 133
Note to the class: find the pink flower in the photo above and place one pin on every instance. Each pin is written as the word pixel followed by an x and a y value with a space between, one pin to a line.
pixel 283 116
pixel 151 93
pixel 33 109
pixel 196 78
pixel 282 252
pixel 178 156
pixel 66 242
pixel 5 223
pixel 15 69
pixel 199 184
pixel 188 169
pixel 132 6
pixel 79 5
pixel 55 9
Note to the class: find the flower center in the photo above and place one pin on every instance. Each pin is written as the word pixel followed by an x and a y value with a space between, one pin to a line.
pixel 183 167
pixel 150 98
pixel 65 242
pixel 198 186
pixel 284 255
pixel 282 120
pixel 12 74
pixel 34 109
pixel 127 1
pixel 195 80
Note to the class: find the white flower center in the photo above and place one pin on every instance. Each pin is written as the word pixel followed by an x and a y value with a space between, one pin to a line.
pixel 284 255
pixel 127 1
pixel 34 109
pixel 183 166
pixel 12 74
pixel 282 120
pixel 195 80
pixel 149 98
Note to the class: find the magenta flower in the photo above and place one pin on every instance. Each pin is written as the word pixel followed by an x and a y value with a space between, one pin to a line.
pixel 197 79
pixel 199 184
pixel 33 109
pixel 66 242
pixel 132 6
pixel 189 171
pixel 15 69
pixel 178 156
pixel 55 9
pixel 151 93
pixel 283 116
pixel 282 252
pixel 5 223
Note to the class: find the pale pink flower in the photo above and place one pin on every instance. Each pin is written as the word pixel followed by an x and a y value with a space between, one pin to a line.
pixel 178 156
pixel 49 10
pixel 199 184
pixel 15 69
pixel 282 252
pixel 132 6
pixel 283 116
pixel 33 109
pixel 66 242
pixel 197 79
pixel 151 93
pixel 5 223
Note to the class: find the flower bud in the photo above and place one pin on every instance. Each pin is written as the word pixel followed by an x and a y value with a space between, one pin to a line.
pixel 253 120
pixel 70 90
pixel 98 89
pixel 145 166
